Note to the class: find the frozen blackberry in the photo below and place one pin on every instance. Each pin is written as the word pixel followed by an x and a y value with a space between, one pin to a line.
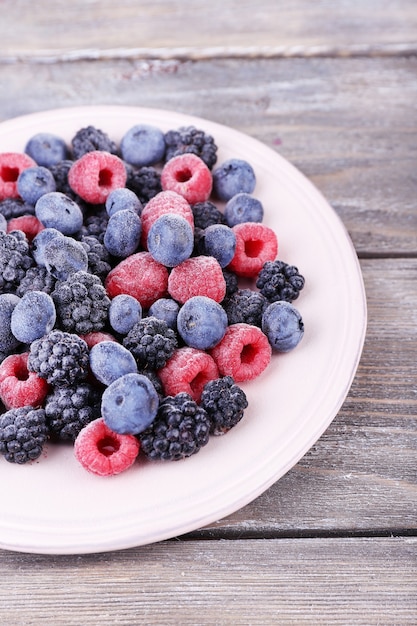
pixel 279 281
pixel 181 428
pixel 151 342
pixel 191 139
pixel 15 259
pixel 155 380
pixel 23 433
pixel 206 214
pixel 60 358
pixel 60 174
pixel 224 403
pixel 232 284
pixel 89 139
pixel 99 260
pixel 15 207
pixel 95 225
pixel 69 409
pixel 245 306
pixel 145 182
pixel 81 303
pixel 37 278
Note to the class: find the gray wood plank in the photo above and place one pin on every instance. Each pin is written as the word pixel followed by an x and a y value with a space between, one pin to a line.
pixel 219 27
pixel 264 582
pixel 348 124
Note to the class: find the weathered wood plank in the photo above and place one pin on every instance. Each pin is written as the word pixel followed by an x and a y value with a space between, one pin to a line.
pixel 231 26
pixel 305 581
pixel 348 124
pixel 361 474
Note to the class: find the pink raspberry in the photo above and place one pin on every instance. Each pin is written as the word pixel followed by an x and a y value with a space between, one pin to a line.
pixel 197 276
pixel 91 339
pixel 243 353
pixel 11 164
pixel 164 202
pixel 140 276
pixel 188 370
pixel 104 452
pixel 189 176
pixel 29 224
pixel 95 175
pixel 255 244
pixel 18 386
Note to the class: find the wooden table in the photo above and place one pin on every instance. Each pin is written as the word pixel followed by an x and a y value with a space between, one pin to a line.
pixel 333 541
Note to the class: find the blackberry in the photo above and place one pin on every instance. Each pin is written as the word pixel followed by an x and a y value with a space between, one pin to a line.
pixel 60 358
pixel 37 278
pixel 15 259
pixel 81 303
pixel 23 432
pixel 206 214
pixel 224 403
pixel 89 139
pixel 60 174
pixel 245 306
pixel 181 428
pixel 15 207
pixel 95 225
pixel 69 409
pixel 145 182
pixel 232 284
pixel 151 342
pixel 279 281
pixel 155 380
pixel 99 260
pixel 191 139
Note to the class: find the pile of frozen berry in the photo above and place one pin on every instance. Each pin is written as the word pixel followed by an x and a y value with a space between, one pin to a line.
pixel 125 327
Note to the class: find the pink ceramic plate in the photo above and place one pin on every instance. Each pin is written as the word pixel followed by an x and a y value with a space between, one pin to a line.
pixel 54 506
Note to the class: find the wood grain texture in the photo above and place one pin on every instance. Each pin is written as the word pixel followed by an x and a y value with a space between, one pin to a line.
pixel 83 28
pixel 261 583
pixel 348 124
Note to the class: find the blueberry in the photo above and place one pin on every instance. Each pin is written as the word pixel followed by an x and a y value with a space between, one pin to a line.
pixel 123 198
pixel 57 210
pixel 232 177
pixel 219 241
pixel 143 145
pixel 130 404
pixel 170 239
pixel 34 182
pixel 46 149
pixel 202 322
pixel 8 341
pixel 3 223
pixel 165 309
pixel 64 256
pixel 124 312
pixel 283 325
pixel 109 360
pixel 243 208
pixel 33 317
pixel 40 241
pixel 122 236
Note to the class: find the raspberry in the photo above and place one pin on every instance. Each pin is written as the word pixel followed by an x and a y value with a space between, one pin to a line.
pixel 95 175
pixel 279 281
pixel 103 452
pixel 164 202
pixel 69 409
pixel 18 386
pixel 28 224
pixel 23 432
pixel 153 281
pixel 255 244
pixel 145 182
pixel 11 165
pixel 189 176
pixel 179 430
pixel 91 339
pixel 151 342
pixel 224 403
pixel 90 139
pixel 188 370
pixel 243 353
pixel 191 139
pixel 60 358
pixel 197 276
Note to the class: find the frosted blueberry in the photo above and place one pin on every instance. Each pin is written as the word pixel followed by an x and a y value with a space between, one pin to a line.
pixel 170 239
pixel 110 360
pixel 232 177
pixel 124 312
pixel 202 322
pixel 165 309
pixel 64 256
pixel 40 241
pixel 33 317
pixel 283 325
pixel 122 236
pixel 57 210
pixel 46 149
pixel 143 145
pixel 243 208
pixel 8 341
pixel 123 198
pixel 219 241
pixel 130 404
pixel 35 182
pixel 3 223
